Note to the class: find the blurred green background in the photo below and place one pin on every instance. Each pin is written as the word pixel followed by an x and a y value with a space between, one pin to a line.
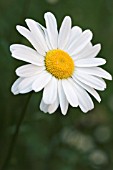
pixel 76 141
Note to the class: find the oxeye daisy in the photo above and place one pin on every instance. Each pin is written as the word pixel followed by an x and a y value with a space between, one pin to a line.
pixel 63 64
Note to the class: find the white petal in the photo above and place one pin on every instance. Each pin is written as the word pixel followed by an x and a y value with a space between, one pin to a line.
pixel 24 53
pixel 88 52
pixel 14 88
pixel 85 101
pixel 37 33
pixel 51 25
pixel 90 62
pixel 92 91
pixel 64 33
pixel 84 50
pixel 81 42
pixel 53 107
pixel 93 52
pixel 96 71
pixel 70 92
pixel 62 98
pixel 44 30
pixel 92 81
pixel 41 81
pixel 46 37
pixel 43 106
pixel 49 108
pixel 41 27
pixel 47 40
pixel 50 91
pixel 27 34
pixel 25 85
pixel 29 70
pixel 75 33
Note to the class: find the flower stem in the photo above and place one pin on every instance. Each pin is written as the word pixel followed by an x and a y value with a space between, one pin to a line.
pixel 14 138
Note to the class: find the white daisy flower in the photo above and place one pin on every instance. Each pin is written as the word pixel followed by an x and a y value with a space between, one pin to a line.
pixel 63 64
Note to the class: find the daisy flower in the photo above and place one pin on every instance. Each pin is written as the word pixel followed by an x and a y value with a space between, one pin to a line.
pixel 63 64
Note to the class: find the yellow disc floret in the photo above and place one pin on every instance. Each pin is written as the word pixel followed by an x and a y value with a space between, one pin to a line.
pixel 59 64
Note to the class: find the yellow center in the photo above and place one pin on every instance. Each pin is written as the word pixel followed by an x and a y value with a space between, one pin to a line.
pixel 59 64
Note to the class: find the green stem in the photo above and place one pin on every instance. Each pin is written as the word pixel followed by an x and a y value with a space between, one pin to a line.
pixel 14 138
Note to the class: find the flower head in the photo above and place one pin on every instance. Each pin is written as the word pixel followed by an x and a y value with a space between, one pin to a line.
pixel 63 64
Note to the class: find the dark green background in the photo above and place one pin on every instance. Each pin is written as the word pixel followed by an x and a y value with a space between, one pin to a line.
pixel 76 141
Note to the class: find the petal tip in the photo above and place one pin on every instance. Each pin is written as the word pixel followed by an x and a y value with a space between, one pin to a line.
pixel 18 27
pixel 89 32
pixel 99 45
pixel 48 14
pixel 110 77
pixel 29 21
pixel 11 48
pixel 16 71
pixel 64 113
pixel 99 100
pixel 68 17
pixel 13 91
pixel 104 61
